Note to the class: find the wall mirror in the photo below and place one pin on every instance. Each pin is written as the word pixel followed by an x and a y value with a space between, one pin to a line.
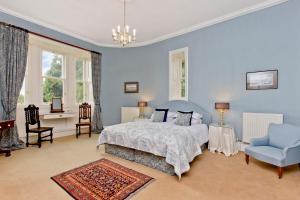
pixel 178 74
pixel 56 105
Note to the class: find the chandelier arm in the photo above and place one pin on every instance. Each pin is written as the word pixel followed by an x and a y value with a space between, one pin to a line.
pixel 124 14
pixel 123 35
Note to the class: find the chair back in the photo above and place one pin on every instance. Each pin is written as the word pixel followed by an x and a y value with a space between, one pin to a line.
pixel 85 112
pixel 283 135
pixel 32 116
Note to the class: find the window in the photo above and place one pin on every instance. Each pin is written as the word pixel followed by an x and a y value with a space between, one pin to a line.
pixel 21 99
pixel 84 92
pixel 53 76
pixel 178 74
pixel 23 92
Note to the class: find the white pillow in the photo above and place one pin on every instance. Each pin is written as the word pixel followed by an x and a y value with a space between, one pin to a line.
pixel 197 116
pixel 196 121
pixel 171 117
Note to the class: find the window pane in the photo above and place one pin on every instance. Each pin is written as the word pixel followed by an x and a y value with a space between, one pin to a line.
pixel 89 71
pixel 79 70
pixel 52 88
pixel 52 64
pixel 183 79
pixel 90 95
pixel 178 76
pixel 21 98
pixel 79 92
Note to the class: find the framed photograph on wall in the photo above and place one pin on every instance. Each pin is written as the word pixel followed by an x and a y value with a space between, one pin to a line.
pixel 131 87
pixel 262 80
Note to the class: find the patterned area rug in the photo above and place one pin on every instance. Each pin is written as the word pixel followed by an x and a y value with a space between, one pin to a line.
pixel 102 179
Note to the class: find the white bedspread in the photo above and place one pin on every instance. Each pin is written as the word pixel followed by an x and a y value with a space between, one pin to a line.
pixel 178 144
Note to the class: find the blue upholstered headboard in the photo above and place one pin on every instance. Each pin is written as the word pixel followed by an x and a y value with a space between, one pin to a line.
pixel 177 105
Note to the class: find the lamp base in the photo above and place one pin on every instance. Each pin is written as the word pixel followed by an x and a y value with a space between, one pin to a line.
pixel 221 122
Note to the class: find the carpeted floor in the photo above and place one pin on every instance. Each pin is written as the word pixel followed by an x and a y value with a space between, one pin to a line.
pixel 26 175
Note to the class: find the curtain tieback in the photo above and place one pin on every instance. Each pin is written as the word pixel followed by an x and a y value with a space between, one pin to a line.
pixel 8 111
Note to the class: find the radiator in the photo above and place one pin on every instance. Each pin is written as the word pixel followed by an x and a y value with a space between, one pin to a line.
pixel 256 124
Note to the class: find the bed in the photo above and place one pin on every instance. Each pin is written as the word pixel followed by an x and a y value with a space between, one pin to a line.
pixel 163 146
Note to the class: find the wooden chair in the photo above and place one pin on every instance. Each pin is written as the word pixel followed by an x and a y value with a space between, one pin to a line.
pixel 32 118
pixel 85 118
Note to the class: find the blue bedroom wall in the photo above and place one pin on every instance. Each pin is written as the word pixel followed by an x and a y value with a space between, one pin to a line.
pixel 219 57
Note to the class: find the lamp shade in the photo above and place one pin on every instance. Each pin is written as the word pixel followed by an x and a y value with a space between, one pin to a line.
pixel 142 104
pixel 221 106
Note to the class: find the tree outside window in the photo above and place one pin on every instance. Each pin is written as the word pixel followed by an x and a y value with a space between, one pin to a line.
pixel 83 81
pixel 52 71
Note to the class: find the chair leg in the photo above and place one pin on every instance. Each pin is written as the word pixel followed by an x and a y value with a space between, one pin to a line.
pixel 247 158
pixel 7 154
pixel 280 172
pixel 90 131
pixel 39 140
pixel 27 143
pixel 76 131
pixel 51 136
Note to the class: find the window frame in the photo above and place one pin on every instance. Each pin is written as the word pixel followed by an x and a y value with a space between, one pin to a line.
pixel 63 77
pixel 184 50
pixel 86 81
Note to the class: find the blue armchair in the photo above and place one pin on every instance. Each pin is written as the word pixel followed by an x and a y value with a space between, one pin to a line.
pixel 281 147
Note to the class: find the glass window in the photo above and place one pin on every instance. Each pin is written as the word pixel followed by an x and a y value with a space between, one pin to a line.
pixel 21 99
pixel 178 72
pixel 52 71
pixel 83 81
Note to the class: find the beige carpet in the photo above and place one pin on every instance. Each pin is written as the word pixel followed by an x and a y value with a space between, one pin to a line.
pixel 26 175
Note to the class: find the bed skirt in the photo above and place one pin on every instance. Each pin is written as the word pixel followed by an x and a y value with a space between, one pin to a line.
pixel 144 158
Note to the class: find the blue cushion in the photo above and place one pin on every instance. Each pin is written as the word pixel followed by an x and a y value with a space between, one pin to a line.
pixel 267 154
pixel 283 135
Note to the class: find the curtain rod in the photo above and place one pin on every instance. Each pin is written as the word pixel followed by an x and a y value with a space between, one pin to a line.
pixel 48 37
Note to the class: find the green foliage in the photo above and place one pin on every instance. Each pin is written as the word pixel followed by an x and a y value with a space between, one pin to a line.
pixel 79 85
pixel 79 70
pixel 182 81
pixel 21 99
pixel 53 87
pixel 79 92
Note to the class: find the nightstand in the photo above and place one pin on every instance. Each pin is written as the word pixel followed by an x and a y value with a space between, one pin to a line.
pixel 222 139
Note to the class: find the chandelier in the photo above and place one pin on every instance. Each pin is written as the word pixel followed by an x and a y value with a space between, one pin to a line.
pixel 123 35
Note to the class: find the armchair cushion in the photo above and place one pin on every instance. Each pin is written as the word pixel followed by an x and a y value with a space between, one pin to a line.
pixel 267 154
pixel 292 154
pixel 264 141
pixel 283 135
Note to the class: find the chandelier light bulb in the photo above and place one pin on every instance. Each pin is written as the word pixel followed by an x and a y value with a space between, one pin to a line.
pixel 123 34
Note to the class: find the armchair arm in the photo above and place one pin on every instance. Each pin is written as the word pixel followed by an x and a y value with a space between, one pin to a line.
pixel 292 154
pixel 260 141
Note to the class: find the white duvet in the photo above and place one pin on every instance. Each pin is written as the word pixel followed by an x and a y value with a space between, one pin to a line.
pixel 178 144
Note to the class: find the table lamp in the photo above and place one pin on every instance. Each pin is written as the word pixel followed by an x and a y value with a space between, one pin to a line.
pixel 221 107
pixel 142 105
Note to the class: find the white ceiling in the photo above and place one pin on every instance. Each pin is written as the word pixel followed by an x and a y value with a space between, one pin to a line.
pixel 155 20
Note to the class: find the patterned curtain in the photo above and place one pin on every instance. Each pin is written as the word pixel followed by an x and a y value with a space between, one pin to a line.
pixel 13 58
pixel 97 125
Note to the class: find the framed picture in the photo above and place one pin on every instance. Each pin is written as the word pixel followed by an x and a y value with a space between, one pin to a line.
pixel 262 80
pixel 131 87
